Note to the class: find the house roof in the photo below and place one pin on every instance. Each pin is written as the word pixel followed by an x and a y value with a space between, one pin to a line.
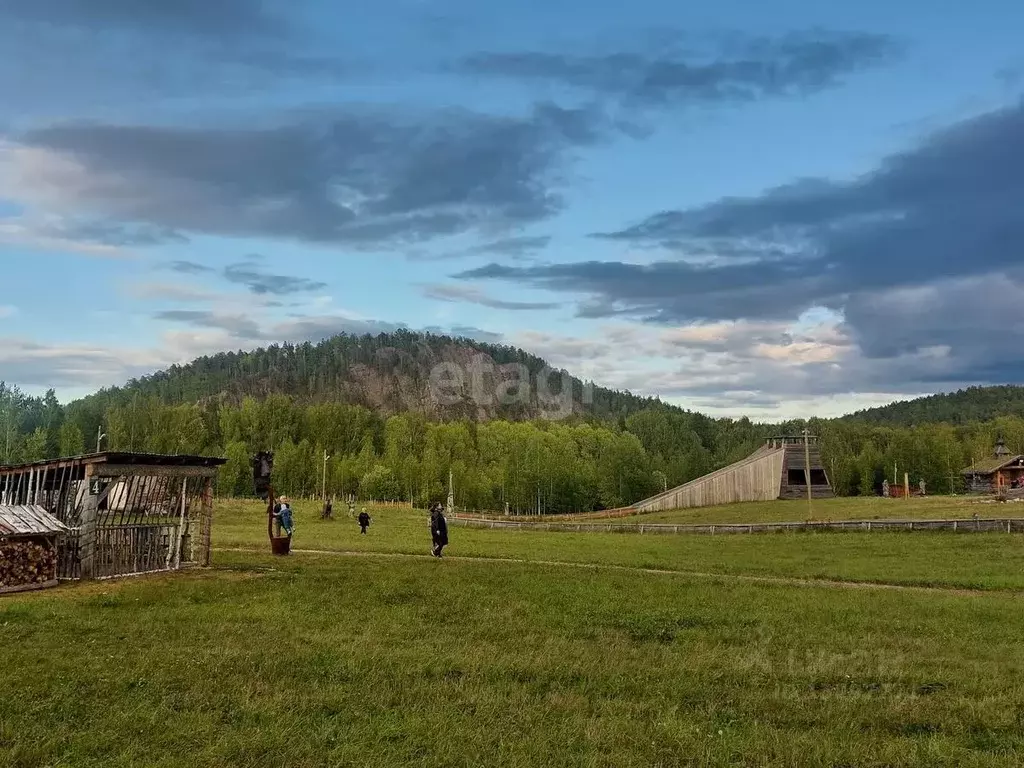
pixel 992 465
pixel 27 520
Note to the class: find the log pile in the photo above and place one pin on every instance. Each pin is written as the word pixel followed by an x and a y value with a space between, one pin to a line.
pixel 27 561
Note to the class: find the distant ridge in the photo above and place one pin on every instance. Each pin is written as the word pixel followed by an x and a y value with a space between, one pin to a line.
pixel 964 406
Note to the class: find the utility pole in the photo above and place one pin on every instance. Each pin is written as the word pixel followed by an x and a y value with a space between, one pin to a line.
pixel 99 436
pixel 807 471
pixel 7 426
pixel 451 493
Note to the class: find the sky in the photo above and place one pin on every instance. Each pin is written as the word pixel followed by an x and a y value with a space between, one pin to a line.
pixel 778 209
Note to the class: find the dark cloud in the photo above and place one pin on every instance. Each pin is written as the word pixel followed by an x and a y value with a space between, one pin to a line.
pixel 469 295
pixel 795 64
pixel 312 328
pixel 189 267
pixel 108 233
pixel 667 291
pixel 515 247
pixel 360 178
pixel 87 54
pixel 936 228
pixel 237 325
pixel 518 248
pixel 224 19
pixel 249 274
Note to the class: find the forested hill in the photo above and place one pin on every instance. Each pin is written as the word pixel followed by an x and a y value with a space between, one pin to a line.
pixel 360 416
pixel 388 373
pixel 966 406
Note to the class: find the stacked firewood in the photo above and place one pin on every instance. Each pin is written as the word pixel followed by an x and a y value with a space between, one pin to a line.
pixel 26 561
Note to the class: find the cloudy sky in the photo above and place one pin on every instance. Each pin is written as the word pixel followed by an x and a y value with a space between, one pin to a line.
pixel 770 207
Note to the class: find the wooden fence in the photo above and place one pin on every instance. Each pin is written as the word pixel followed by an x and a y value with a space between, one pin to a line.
pixel 601 514
pixel 963 525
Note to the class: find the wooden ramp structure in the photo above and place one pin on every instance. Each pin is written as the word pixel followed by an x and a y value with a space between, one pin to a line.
pixel 777 470
pixel 124 513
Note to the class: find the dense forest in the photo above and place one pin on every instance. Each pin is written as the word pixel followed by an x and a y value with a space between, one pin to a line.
pixel 364 404
pixel 389 373
pixel 964 407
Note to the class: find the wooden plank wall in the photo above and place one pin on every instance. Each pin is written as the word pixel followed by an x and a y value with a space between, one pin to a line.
pixel 796 459
pixel 756 478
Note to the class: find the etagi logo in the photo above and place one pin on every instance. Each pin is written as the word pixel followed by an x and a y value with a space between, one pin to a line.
pixel 485 384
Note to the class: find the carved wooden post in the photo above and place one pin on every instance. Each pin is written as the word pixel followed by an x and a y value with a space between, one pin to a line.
pixel 87 527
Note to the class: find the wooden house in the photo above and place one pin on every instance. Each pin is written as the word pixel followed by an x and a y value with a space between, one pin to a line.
pixel 29 538
pixel 777 470
pixel 1001 472
pixel 124 512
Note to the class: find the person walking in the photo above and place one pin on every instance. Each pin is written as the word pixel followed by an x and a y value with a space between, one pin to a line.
pixel 364 522
pixel 438 529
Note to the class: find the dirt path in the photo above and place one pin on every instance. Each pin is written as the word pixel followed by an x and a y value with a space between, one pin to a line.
pixel 769 580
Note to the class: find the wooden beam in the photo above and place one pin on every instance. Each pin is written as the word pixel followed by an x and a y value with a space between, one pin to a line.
pixel 150 470
pixel 28 587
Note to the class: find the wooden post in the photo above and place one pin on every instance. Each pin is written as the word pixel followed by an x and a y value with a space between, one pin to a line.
pixel 40 498
pixel 181 526
pixel 206 523
pixel 807 471
pixel 906 484
pixel 270 513
pixel 87 527
pixel 323 488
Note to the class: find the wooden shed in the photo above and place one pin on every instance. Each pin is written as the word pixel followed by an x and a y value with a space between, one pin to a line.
pixel 776 470
pixel 125 513
pixel 29 538
pixel 1002 472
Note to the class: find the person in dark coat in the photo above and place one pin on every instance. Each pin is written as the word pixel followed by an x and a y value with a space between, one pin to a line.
pixel 438 529
pixel 364 522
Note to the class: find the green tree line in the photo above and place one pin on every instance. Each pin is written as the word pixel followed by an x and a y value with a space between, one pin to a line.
pixel 531 466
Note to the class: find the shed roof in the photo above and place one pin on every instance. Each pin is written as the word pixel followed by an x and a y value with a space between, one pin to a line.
pixel 119 457
pixel 992 465
pixel 26 520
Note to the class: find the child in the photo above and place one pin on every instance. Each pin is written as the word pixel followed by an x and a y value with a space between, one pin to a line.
pixel 364 522
pixel 284 516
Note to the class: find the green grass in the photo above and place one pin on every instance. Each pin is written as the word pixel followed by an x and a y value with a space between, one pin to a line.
pixel 977 561
pixel 521 658
pixel 339 661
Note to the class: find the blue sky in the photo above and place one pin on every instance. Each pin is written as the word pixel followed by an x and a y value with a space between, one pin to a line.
pixel 775 208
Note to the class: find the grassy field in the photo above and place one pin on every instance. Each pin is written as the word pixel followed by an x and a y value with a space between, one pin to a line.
pixel 989 561
pixel 521 658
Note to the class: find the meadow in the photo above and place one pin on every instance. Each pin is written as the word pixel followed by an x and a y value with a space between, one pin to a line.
pixel 527 648
pixel 967 561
